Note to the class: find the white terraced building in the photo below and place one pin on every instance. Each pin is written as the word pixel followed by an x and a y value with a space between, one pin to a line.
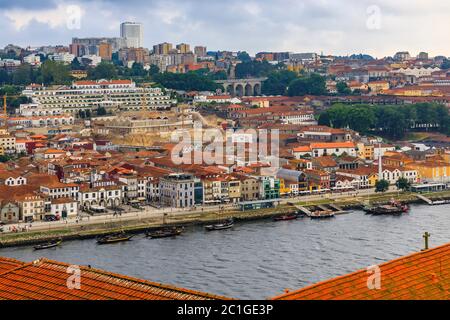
pixel 90 95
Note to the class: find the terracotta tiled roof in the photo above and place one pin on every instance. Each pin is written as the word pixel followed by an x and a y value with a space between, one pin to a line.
pixel 332 145
pixel 47 280
pixel 420 276
pixel 7 264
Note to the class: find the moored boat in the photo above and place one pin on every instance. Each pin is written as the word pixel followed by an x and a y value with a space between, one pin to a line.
pixel 322 214
pixel 286 217
pixel 402 206
pixel 165 233
pixel 227 224
pixel 48 245
pixel 114 238
pixel 384 209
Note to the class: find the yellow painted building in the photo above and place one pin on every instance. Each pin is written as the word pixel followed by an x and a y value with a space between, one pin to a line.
pixel 373 178
pixel 431 170
pixel 283 188
pixel 365 151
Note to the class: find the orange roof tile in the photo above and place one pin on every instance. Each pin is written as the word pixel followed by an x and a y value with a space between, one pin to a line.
pixel 332 145
pixel 420 276
pixel 47 280
pixel 302 149
pixel 7 264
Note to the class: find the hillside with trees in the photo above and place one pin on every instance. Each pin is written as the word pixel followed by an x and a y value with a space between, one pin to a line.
pixel 391 121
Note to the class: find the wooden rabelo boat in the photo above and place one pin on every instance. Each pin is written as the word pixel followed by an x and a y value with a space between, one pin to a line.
pixel 227 224
pixel 165 233
pixel 286 217
pixel 48 245
pixel 114 238
pixel 326 214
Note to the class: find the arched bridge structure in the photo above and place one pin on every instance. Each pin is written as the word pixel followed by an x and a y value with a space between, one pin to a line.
pixel 242 87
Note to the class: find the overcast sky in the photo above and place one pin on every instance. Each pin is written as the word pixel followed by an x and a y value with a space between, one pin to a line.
pixel 376 27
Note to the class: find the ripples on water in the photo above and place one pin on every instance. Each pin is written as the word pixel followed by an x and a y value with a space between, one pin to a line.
pixel 257 260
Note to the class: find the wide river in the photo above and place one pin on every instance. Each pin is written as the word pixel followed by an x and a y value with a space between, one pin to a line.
pixel 260 259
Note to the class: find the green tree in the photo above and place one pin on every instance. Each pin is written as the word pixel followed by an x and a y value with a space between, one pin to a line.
pixel 254 68
pixel 324 119
pixel 52 72
pixel 277 82
pixel 310 85
pixel 187 81
pixel 4 158
pixel 137 70
pixel 104 70
pixel 381 186
pixel 23 75
pixel 76 65
pixel 154 70
pixel 445 65
pixel 403 184
pixel 101 111
pixel 4 77
pixel 244 56
pixel 342 88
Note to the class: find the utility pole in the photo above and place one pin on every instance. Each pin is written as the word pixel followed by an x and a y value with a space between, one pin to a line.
pixel 380 165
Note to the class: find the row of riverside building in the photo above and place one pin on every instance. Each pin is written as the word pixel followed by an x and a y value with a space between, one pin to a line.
pixel 64 174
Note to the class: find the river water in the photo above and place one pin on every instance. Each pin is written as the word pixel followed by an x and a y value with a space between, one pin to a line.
pixel 260 259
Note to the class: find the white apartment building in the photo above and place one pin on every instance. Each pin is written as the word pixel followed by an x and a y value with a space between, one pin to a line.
pixel 64 57
pixel 56 190
pixel 106 196
pixel 42 121
pixel 34 109
pixel 8 143
pixel 177 190
pixel 90 95
pixel 95 60
pixel 64 208
pixel 296 117
pixel 416 71
pixel 32 59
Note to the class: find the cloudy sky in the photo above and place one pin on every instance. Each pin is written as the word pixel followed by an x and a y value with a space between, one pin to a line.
pixel 376 27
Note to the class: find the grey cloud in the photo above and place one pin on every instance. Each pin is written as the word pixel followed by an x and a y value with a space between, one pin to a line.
pixel 334 26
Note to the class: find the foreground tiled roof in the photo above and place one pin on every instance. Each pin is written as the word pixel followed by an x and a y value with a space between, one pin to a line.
pixel 419 276
pixel 47 280
pixel 7 264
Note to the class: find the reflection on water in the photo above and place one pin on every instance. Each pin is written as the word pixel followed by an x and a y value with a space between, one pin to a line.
pixel 256 260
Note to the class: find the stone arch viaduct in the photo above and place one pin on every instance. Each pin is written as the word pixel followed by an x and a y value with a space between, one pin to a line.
pixel 242 87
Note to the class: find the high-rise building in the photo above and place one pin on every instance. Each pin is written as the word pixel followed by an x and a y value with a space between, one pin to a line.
pixel 183 48
pixel 133 34
pixel 162 48
pixel 116 43
pixel 105 51
pixel 200 51
pixel 77 49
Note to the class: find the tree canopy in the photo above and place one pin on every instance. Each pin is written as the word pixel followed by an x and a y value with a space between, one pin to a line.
pixel 186 81
pixel 313 84
pixel 251 69
pixel 381 186
pixel 393 121
pixel 277 82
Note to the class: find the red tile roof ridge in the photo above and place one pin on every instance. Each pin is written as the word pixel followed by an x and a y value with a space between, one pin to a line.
pixel 134 280
pixel 427 254
pixel 20 266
